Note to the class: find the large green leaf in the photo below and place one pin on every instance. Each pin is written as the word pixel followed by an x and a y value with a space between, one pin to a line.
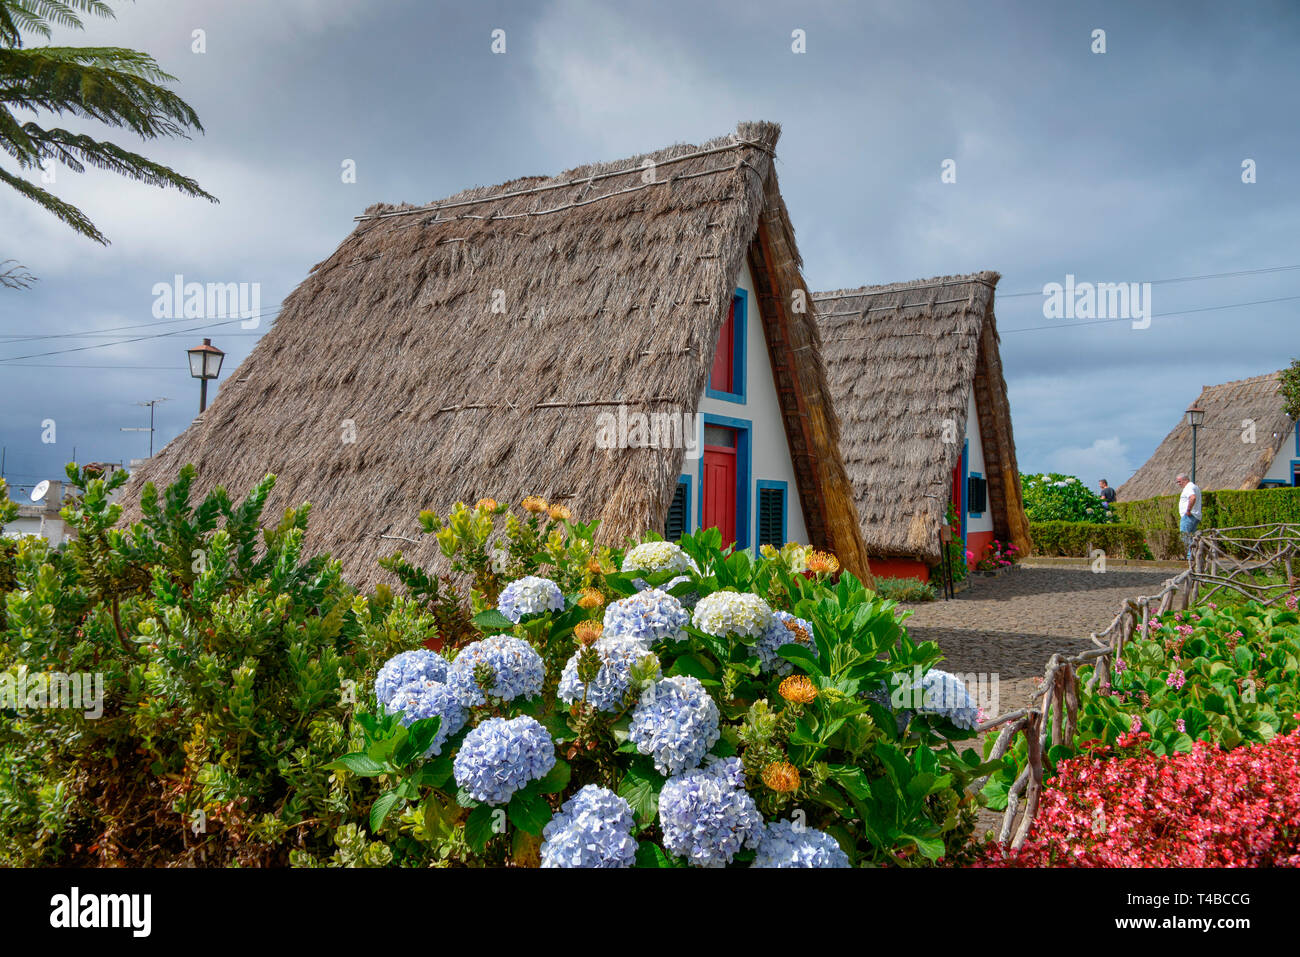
pixel 529 812
pixel 380 810
pixel 479 827
pixel 359 764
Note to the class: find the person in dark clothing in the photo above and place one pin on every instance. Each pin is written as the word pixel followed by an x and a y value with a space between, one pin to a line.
pixel 1107 493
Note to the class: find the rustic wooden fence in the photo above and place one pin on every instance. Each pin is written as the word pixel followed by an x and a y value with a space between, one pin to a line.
pixel 1222 558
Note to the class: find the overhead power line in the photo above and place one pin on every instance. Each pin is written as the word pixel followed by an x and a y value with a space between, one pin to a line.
pixel 1157 315
pixel 1161 282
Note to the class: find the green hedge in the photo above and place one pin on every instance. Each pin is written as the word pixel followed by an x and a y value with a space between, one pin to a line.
pixel 1158 517
pixel 1078 539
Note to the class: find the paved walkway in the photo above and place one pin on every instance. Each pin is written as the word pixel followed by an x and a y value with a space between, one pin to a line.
pixel 1011 625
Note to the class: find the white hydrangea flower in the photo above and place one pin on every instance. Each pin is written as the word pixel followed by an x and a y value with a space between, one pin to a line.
pixel 727 612
pixel 657 557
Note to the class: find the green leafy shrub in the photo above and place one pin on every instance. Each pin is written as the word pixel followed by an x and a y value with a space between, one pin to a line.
pixel 1226 508
pixel 822 747
pixel 1053 497
pixel 1078 539
pixel 1226 675
pixel 228 664
pixel 904 589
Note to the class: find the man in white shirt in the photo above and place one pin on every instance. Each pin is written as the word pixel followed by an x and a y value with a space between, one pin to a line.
pixel 1189 510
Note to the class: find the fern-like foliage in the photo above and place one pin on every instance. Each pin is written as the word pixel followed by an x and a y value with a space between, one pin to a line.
pixel 118 87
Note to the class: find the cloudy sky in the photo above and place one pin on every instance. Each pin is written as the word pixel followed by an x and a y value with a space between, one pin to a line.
pixel 1117 166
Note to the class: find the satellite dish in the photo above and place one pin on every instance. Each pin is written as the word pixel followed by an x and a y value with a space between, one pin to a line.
pixel 38 493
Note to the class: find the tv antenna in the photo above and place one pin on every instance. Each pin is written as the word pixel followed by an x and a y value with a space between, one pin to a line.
pixel 151 403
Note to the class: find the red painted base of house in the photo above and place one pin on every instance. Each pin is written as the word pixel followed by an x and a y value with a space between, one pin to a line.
pixel 900 568
pixel 977 543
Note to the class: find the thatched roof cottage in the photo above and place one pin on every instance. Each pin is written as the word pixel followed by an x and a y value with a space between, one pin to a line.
pixel 1245 441
pixel 632 339
pixel 916 379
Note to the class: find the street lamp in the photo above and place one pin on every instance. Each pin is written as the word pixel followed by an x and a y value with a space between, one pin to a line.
pixel 1195 416
pixel 205 364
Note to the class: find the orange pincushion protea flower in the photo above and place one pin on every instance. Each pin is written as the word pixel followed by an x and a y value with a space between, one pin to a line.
pixel 590 598
pixel 798 688
pixel 588 631
pixel 488 503
pixel 534 503
pixel 822 563
pixel 558 513
pixel 782 777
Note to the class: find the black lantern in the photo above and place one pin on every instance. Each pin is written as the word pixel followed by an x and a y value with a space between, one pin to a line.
pixel 205 364
pixel 1195 416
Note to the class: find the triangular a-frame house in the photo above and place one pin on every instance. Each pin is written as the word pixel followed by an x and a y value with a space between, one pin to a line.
pixel 547 336
pixel 916 379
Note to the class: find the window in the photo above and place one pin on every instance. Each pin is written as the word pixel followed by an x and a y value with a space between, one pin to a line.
pixel 977 493
pixel 675 523
pixel 727 376
pixel 771 513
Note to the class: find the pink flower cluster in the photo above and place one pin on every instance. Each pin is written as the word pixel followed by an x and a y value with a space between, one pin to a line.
pixel 1292 602
pixel 1207 808
pixel 1176 679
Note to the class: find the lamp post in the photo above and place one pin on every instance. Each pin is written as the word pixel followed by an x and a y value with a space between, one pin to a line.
pixel 1195 416
pixel 205 364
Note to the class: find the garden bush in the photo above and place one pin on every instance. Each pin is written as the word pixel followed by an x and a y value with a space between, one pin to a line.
pixel 1053 497
pixel 1225 675
pixel 1158 517
pixel 1125 806
pixel 1078 539
pixel 904 589
pixel 228 664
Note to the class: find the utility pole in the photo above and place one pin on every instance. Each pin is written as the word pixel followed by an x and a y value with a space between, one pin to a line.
pixel 151 404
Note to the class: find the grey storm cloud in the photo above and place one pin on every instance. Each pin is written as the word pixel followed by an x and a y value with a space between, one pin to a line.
pixel 1123 166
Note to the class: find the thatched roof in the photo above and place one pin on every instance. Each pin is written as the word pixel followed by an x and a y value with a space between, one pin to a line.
pixel 901 359
pixel 610 284
pixel 1223 460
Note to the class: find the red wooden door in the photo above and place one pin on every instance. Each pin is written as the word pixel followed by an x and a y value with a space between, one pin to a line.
pixel 720 490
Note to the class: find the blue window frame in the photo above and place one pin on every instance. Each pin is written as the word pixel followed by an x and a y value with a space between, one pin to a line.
pixel 969 476
pixel 684 488
pixel 744 468
pixel 783 489
pixel 738 329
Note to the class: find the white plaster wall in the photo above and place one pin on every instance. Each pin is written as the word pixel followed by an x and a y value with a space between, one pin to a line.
pixel 975 463
pixel 1281 467
pixel 771 452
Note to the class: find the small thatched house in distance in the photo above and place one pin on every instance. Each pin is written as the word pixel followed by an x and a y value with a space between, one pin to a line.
pixel 1245 441
pixel 499 342
pixel 916 379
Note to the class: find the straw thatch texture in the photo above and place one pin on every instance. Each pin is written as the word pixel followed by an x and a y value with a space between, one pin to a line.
pixel 473 342
pixel 902 360
pixel 1223 459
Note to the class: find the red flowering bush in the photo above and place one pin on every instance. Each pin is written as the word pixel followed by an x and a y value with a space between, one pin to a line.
pixel 996 555
pixel 1127 807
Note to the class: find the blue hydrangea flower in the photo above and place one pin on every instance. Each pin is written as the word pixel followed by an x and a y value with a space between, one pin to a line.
pixel 518 669
pixel 706 816
pixel 676 722
pixel 593 829
pixel 530 595
pixel 733 613
pixel 500 756
pixel 401 669
pixel 785 845
pixel 945 694
pixel 647 617
pixel 427 699
pixel 780 633
pixel 610 687
pixel 658 557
